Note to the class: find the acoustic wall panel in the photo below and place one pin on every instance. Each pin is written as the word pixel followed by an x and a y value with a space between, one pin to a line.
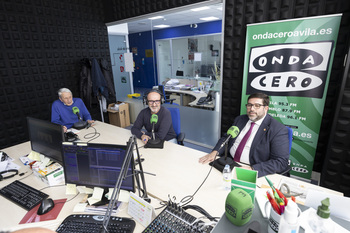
pixel 41 45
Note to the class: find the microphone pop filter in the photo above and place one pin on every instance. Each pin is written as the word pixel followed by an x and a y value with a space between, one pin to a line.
pixel 238 207
pixel 154 118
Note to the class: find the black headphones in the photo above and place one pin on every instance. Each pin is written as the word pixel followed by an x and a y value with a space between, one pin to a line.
pixel 6 177
pixel 145 100
pixel 3 157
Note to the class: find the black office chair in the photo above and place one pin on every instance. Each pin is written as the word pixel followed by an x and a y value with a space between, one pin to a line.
pixel 290 136
pixel 175 117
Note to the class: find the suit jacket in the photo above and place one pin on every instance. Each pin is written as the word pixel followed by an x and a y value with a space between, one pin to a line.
pixel 269 152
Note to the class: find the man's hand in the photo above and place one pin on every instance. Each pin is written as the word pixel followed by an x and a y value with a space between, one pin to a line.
pixel 145 138
pixel 64 129
pixel 90 122
pixel 208 158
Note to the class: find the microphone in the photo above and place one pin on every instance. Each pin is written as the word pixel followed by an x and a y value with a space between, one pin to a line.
pixel 154 120
pixel 80 124
pixel 76 112
pixel 154 142
pixel 232 132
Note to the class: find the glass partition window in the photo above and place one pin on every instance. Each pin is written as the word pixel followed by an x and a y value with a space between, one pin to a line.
pixel 189 57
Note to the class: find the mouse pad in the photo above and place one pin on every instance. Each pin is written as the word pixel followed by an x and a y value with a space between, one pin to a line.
pixel 32 215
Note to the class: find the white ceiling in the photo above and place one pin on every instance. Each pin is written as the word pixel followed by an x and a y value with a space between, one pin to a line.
pixel 184 17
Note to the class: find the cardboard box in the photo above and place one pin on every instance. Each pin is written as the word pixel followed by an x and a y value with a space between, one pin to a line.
pixel 244 179
pixel 51 175
pixel 119 116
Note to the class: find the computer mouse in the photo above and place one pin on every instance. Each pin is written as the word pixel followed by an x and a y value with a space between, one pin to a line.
pixel 45 206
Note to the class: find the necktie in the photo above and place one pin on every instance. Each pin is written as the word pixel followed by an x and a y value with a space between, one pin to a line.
pixel 241 145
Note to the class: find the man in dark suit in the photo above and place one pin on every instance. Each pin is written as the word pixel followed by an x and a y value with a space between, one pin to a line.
pixel 267 148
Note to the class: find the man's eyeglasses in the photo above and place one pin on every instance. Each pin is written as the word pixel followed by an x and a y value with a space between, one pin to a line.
pixel 256 106
pixel 153 101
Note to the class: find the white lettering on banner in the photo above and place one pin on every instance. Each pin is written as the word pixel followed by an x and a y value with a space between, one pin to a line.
pixel 300 170
pixel 286 81
pixel 289 68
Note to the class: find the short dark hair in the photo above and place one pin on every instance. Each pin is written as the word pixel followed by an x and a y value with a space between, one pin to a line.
pixel 265 98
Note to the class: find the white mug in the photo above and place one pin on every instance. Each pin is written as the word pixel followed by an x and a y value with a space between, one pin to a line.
pixel 273 217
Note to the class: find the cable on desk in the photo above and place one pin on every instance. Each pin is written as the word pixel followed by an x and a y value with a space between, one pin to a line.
pixel 25 176
pixel 60 186
pixel 187 199
pixel 94 135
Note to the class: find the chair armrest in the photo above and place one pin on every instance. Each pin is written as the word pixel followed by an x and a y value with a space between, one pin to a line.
pixel 180 138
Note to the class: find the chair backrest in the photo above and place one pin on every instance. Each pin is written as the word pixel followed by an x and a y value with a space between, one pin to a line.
pixel 161 88
pixel 175 117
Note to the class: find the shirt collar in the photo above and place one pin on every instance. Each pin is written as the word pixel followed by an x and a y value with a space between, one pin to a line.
pixel 259 121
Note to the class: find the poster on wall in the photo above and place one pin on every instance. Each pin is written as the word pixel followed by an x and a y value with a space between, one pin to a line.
pixel 291 61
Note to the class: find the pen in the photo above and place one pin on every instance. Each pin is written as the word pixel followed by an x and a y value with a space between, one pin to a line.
pixel 276 196
pixel 282 206
pixel 270 183
pixel 280 194
pixel 273 203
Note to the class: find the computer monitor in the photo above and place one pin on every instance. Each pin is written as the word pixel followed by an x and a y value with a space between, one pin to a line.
pixel 46 138
pixel 96 165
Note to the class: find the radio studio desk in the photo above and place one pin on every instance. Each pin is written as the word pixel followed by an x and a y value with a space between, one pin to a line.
pixel 177 174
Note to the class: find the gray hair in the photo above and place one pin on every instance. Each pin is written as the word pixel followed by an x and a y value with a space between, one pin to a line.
pixel 62 90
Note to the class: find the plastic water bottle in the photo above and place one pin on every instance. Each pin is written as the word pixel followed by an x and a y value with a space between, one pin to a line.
pixel 227 177
pixel 289 222
pixel 320 222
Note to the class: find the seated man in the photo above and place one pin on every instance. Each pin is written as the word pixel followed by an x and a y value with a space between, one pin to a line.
pixel 163 129
pixel 62 113
pixel 266 148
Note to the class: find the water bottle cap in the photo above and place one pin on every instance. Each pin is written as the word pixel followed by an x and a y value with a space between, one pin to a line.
pixel 323 210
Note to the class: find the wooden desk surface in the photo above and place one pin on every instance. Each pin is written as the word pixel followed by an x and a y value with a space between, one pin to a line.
pixel 178 174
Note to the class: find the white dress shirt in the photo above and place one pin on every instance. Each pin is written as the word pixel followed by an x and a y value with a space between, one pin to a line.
pixel 246 149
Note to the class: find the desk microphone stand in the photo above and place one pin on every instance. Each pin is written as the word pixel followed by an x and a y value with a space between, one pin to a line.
pixel 121 177
pixel 225 160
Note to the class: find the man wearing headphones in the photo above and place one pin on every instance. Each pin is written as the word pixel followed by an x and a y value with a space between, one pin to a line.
pixel 163 129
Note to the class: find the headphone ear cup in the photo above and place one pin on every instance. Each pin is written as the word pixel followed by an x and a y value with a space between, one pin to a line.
pixel 145 102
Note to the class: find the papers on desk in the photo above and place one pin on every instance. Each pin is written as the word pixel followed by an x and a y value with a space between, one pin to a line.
pixel 8 164
pixel 297 188
pixel 339 205
pixel 305 225
pixel 261 199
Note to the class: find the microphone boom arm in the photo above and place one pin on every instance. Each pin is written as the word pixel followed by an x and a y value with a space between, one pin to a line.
pixel 122 175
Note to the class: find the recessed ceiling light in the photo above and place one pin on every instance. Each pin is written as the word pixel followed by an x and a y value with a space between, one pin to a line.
pixel 211 18
pixel 156 17
pixel 162 26
pixel 201 8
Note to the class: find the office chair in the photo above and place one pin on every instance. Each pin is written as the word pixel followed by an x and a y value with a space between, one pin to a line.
pixel 175 117
pixel 167 99
pixel 290 136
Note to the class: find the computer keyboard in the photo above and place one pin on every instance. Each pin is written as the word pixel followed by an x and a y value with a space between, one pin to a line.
pixel 87 223
pixel 174 219
pixel 23 195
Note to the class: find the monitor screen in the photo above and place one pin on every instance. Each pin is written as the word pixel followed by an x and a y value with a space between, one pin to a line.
pixel 46 138
pixel 96 165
